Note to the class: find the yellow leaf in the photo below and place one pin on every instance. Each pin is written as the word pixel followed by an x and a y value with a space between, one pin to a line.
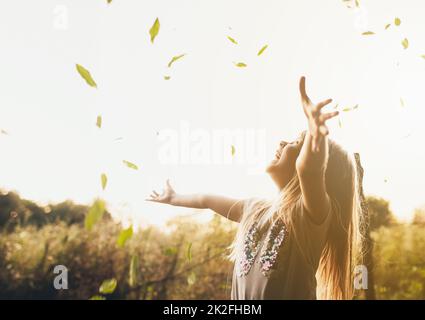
pixel 233 150
pixel 174 59
pixel 130 165
pixel 124 236
pixel 95 213
pixel 262 50
pixel 405 43
pixel 85 74
pixel 368 33
pixel 103 180
pixel 154 30
pixel 108 286
pixel 397 21
pixel 387 26
pixel 402 102
pixel 240 64
pixel 167 77
pixel 99 122
pixel 232 40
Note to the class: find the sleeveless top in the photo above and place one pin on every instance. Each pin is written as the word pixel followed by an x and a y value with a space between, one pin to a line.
pixel 280 262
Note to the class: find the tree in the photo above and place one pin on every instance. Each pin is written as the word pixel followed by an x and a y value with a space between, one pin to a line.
pixel 419 216
pixel 380 213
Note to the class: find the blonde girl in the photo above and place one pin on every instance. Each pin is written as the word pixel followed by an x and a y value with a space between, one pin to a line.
pixel 305 243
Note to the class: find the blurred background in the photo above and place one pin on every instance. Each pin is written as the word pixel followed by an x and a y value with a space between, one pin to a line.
pixel 203 97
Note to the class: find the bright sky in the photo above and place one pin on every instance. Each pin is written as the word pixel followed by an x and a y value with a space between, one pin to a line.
pixel 53 150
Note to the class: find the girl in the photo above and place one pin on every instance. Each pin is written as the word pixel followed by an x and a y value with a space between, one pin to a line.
pixel 304 243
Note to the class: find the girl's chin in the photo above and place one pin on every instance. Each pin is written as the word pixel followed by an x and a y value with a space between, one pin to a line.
pixel 272 165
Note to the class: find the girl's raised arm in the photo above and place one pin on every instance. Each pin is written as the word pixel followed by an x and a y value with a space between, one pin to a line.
pixel 312 160
pixel 226 207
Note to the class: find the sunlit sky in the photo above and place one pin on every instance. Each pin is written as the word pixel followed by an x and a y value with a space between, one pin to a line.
pixel 53 150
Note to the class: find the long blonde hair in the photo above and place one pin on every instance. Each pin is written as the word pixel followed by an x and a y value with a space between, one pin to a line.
pixel 342 250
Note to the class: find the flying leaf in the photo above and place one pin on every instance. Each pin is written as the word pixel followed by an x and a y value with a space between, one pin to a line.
pixel 99 122
pixel 103 180
pixel 402 102
pixel 130 165
pixel 85 74
pixel 174 59
pixel 133 274
pixel 95 213
pixel 240 64
pixel 97 297
pixel 109 1
pixel 189 252
pixel 124 236
pixel 423 56
pixel 233 150
pixel 167 77
pixel 405 43
pixel 350 109
pixel 387 26
pixel 262 50
pixel 340 123
pixel 2 131
pixel 191 278
pixel 232 40
pixel 397 21
pixel 368 33
pixel 154 30
pixel 108 286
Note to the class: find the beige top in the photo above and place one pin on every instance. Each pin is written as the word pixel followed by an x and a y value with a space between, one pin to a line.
pixel 275 265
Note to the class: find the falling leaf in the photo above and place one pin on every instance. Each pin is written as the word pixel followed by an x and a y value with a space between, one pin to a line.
pixel 357 3
pixel 95 213
pixel 191 279
pixel 350 109
pixel 233 150
pixel 97 297
pixel 368 33
pixel 240 64
pixel 423 56
pixel 174 59
pixel 232 40
pixel 133 274
pixel 108 286
pixel 387 26
pixel 340 123
pixel 124 236
pixel 104 180
pixel 109 1
pixel 85 74
pixel 2 131
pixel 405 43
pixel 99 122
pixel 189 252
pixel 397 21
pixel 262 50
pixel 167 77
pixel 130 165
pixel 154 30
pixel 402 102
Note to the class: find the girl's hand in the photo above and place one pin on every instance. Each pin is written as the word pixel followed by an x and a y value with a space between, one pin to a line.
pixel 316 119
pixel 166 196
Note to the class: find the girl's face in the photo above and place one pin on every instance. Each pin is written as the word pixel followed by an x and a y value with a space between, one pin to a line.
pixel 282 168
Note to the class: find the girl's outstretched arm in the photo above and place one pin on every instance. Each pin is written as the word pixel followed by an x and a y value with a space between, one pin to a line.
pixel 226 207
pixel 312 160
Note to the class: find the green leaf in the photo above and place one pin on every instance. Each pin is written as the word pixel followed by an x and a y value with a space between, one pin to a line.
pixel 233 150
pixel 85 74
pixel 423 56
pixel 95 213
pixel 387 26
pixel 174 59
pixel 340 123
pixel 405 43
pixel 130 165
pixel 397 22
pixel 103 180
pixel 350 108
pixel 189 252
pixel 240 64
pixel 133 274
pixel 167 77
pixel 402 102
pixel 99 121
pixel 262 50
pixel 108 286
pixel 191 279
pixel 368 33
pixel 154 30
pixel 232 40
pixel 124 236
pixel 97 297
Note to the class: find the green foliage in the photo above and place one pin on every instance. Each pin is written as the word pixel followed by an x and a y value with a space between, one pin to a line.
pixel 85 74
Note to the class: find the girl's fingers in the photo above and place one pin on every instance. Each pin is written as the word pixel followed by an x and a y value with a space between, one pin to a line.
pixel 326 116
pixel 322 104
pixel 324 130
pixel 304 96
